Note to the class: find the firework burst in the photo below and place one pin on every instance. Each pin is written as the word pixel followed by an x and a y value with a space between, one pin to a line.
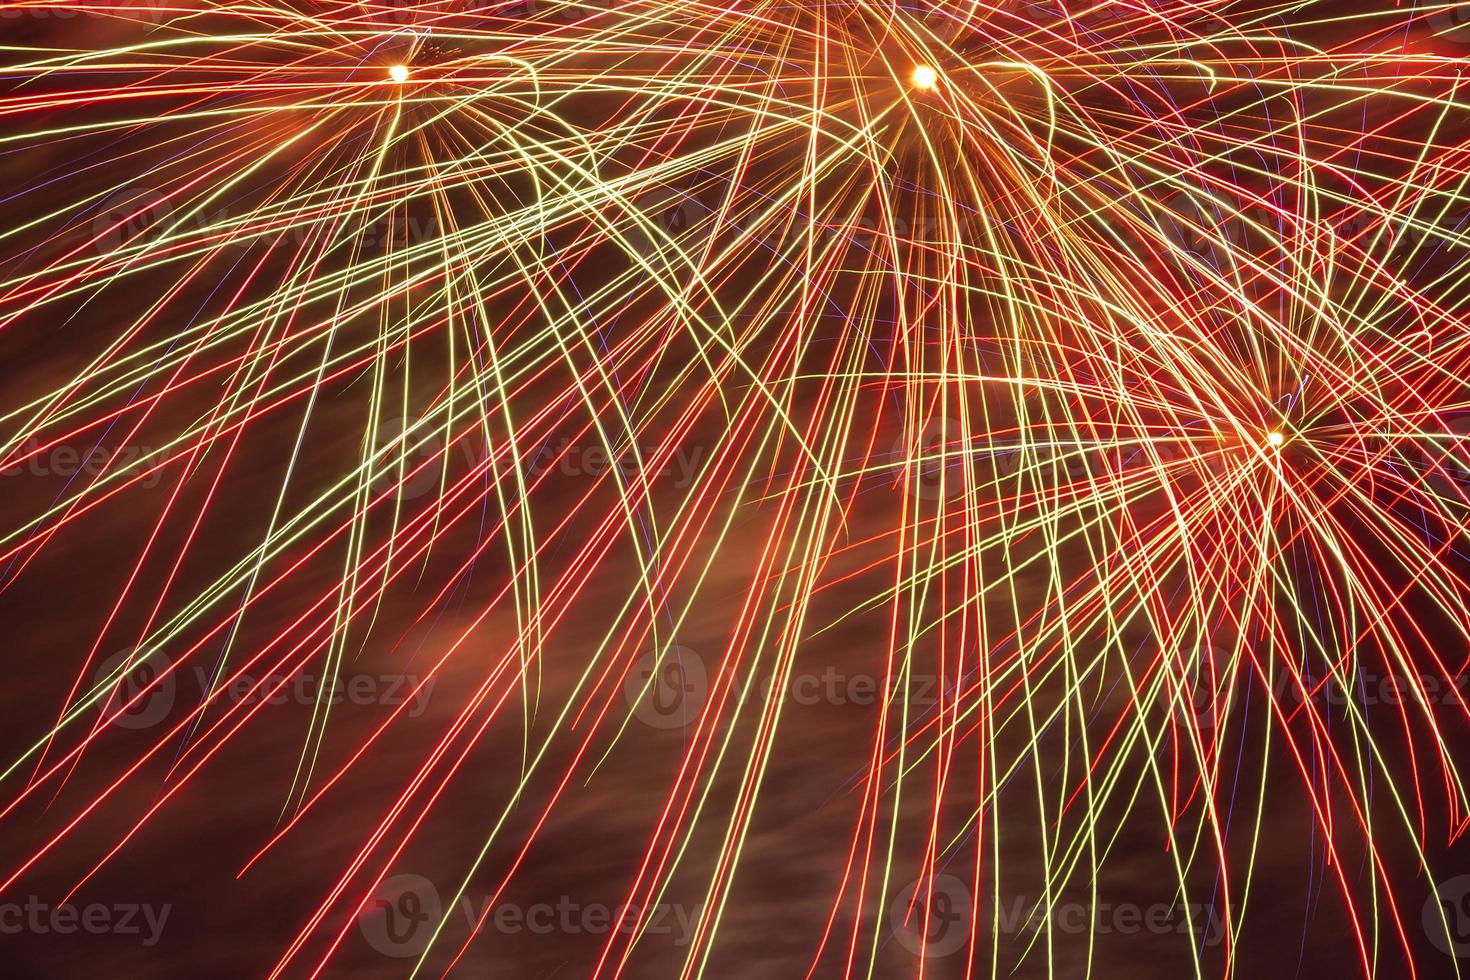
pixel 1091 381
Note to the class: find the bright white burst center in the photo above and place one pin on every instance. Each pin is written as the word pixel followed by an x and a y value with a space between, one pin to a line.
pixel 924 77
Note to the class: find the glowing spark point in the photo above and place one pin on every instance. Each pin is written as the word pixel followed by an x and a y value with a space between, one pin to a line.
pixel 399 73
pixel 1276 439
pixel 924 77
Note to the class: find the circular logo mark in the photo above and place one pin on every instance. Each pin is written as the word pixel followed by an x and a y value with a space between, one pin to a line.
pixel 128 215
pixel 1208 696
pixel 1446 460
pixel 664 221
pixel 667 692
pixel 150 11
pixel 1452 23
pixel 125 700
pixel 938 461
pixel 1447 917
pixel 402 459
pixel 931 916
pixel 1190 225
pixel 400 919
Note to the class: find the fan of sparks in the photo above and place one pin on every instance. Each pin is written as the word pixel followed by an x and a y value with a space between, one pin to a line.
pixel 1099 367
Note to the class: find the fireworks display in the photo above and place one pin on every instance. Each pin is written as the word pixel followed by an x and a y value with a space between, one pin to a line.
pixel 880 488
